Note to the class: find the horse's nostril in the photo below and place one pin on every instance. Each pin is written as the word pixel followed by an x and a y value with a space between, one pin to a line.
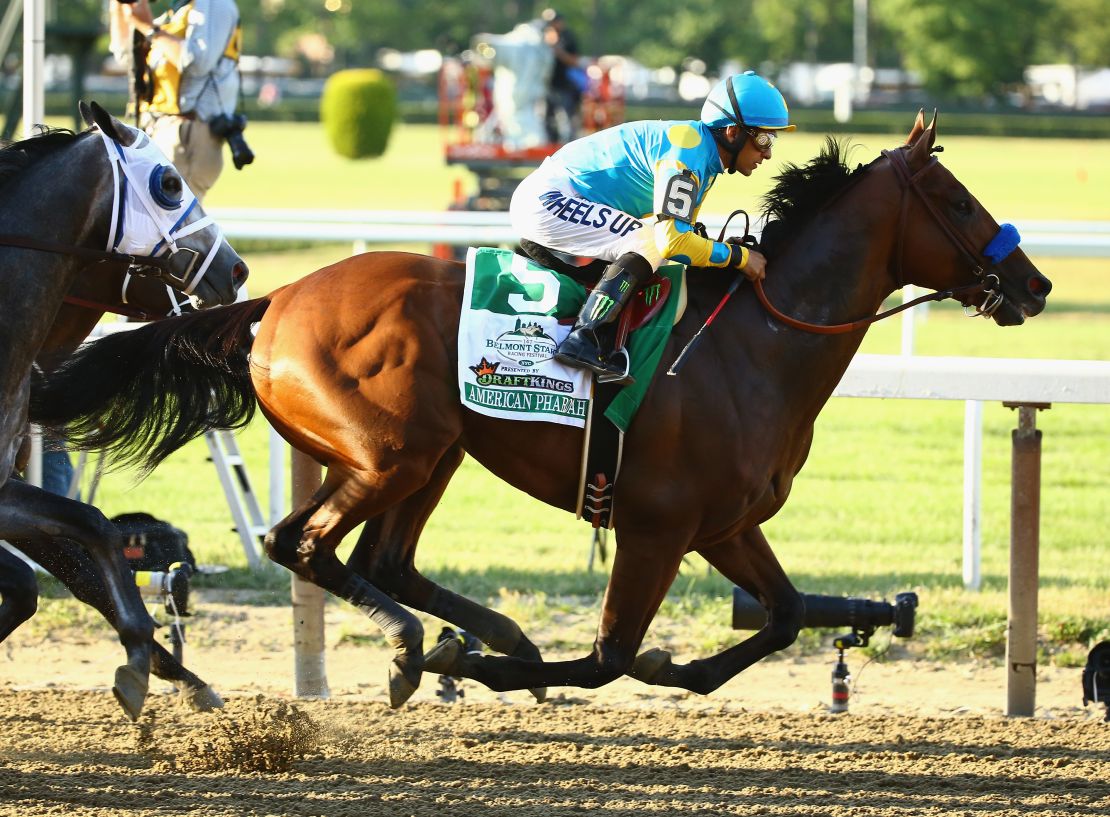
pixel 1039 285
pixel 239 273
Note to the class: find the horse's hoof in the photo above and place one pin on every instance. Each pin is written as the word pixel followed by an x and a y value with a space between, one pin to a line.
pixel 130 690
pixel 444 658
pixel 201 699
pixel 528 651
pixel 648 665
pixel 401 686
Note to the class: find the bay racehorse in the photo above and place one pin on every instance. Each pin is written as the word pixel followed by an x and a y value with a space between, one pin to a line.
pixel 65 197
pixel 105 288
pixel 355 364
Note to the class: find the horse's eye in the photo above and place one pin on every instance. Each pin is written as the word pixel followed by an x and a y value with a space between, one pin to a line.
pixel 166 187
pixel 963 207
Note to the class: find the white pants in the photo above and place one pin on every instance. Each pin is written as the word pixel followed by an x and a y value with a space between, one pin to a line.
pixel 547 210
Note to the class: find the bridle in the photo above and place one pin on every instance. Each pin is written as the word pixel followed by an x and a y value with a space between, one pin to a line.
pixel 987 283
pixel 177 303
pixel 157 262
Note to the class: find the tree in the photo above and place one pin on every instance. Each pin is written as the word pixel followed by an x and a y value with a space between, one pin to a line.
pixel 969 49
pixel 1075 32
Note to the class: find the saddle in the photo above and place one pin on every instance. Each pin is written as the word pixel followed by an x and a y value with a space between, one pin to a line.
pixel 602 441
pixel 587 271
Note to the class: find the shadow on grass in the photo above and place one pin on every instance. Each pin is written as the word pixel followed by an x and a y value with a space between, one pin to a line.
pixel 693 580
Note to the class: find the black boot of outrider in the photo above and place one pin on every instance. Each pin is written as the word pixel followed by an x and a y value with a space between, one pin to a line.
pixel 589 345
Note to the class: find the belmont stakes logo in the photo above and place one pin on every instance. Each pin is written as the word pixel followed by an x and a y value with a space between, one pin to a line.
pixel 526 345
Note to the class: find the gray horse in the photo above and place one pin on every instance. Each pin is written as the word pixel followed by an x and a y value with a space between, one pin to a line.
pixel 65 196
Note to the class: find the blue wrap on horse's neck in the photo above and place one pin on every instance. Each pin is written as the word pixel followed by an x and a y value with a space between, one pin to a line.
pixel 1004 243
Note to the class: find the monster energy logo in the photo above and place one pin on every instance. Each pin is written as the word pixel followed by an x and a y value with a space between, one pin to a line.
pixel 601 307
pixel 651 294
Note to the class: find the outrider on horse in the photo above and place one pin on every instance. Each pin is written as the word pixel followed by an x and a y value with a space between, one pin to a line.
pixel 356 365
pixel 72 201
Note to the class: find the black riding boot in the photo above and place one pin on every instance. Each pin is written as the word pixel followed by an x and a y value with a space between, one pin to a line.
pixel 590 343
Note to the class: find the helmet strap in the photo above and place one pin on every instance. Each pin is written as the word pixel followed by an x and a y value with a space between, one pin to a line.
pixel 733 146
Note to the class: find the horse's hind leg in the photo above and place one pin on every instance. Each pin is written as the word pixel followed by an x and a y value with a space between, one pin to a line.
pixel 305 543
pixel 638 582
pixel 747 561
pixel 74 568
pixel 19 592
pixel 385 555
pixel 31 514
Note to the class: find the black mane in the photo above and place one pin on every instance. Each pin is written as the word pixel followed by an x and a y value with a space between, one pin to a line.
pixel 17 156
pixel 800 191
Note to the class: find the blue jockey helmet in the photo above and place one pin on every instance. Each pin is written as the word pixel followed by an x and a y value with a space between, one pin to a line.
pixel 747 100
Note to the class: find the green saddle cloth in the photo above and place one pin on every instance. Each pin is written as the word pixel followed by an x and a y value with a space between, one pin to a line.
pixel 495 283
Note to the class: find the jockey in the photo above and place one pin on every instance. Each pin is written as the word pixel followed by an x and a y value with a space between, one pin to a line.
pixel 631 194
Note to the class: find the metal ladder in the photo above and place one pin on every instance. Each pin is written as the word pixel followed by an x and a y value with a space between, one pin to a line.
pixel 250 524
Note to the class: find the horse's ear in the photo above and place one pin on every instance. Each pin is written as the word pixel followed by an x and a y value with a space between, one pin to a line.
pixel 115 130
pixel 922 147
pixel 918 127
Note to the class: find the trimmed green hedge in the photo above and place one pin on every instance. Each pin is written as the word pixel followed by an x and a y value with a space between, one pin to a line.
pixel 820 120
pixel 357 110
pixel 898 121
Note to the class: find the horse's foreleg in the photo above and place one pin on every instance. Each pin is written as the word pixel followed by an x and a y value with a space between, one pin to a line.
pixel 305 543
pixel 746 560
pixel 31 514
pixel 637 584
pixel 19 592
pixel 386 552
pixel 74 568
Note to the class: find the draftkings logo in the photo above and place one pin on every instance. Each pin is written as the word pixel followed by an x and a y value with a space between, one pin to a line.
pixel 485 374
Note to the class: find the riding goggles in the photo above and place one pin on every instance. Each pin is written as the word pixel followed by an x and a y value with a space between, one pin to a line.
pixel 762 139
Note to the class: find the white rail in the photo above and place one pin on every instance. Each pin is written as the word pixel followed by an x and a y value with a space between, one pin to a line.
pixel 1078 239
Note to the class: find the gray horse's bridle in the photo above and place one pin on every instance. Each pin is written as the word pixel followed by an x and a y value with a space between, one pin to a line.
pixel 129 190
pixel 156 262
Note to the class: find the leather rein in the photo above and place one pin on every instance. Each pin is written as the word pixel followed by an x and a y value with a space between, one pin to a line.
pixel 134 262
pixel 137 262
pixel 988 282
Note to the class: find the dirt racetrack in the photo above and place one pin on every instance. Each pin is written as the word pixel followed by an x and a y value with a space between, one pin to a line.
pixel 70 753
pixel 919 739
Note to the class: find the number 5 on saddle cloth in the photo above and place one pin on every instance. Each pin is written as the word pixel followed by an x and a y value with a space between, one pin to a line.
pixel 515 314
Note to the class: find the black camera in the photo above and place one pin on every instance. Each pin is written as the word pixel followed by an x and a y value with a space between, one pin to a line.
pixel 230 128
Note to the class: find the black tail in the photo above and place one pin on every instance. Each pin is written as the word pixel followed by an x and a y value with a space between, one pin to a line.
pixel 142 394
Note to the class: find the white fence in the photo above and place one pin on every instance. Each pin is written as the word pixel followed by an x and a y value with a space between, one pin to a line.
pixel 1075 239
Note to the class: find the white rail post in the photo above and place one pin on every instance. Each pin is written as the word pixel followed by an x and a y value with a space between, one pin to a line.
pixel 34 51
pixel 909 291
pixel 311 680
pixel 973 482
